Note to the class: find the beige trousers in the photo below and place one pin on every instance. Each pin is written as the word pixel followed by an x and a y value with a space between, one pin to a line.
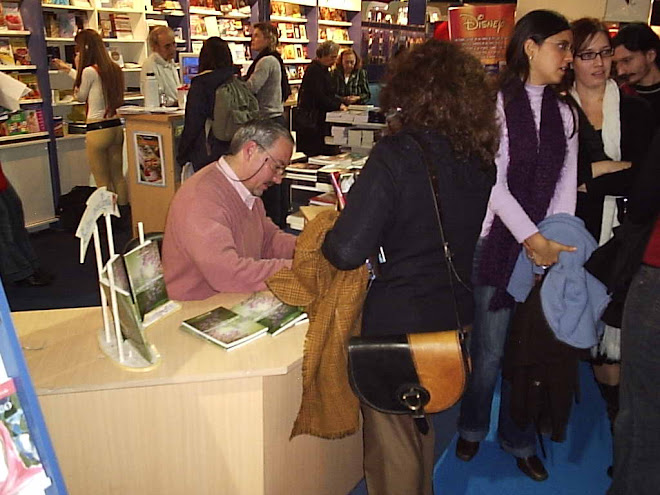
pixel 398 459
pixel 104 154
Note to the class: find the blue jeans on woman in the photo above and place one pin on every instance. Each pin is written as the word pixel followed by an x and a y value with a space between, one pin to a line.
pixel 489 333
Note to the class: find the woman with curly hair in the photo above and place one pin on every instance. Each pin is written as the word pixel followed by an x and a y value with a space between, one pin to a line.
pixel 349 78
pixel 536 177
pixel 99 82
pixel 447 113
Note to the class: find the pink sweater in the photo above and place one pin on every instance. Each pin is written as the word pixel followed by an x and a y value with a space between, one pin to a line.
pixel 502 202
pixel 215 243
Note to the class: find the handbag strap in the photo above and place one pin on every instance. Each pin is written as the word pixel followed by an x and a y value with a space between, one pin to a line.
pixel 451 269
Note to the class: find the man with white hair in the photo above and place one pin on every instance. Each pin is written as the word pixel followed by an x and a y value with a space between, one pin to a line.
pixel 161 63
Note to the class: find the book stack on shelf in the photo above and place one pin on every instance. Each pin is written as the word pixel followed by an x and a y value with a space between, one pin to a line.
pixel 333 25
pixel 291 19
pixel 230 328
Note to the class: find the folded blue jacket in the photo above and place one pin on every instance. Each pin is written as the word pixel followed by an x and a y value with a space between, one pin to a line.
pixel 572 299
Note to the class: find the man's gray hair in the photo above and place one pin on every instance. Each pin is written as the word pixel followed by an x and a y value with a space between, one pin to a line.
pixel 156 32
pixel 264 132
pixel 328 47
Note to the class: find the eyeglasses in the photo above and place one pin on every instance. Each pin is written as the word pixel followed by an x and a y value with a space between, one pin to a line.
pixel 280 167
pixel 605 53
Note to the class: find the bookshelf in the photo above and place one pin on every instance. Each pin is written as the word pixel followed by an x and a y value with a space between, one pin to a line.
pixel 229 19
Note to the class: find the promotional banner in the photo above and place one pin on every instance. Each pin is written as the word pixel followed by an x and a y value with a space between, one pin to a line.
pixel 483 30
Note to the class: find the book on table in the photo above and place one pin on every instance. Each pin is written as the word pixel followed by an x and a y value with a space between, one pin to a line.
pixel 268 310
pixel 225 328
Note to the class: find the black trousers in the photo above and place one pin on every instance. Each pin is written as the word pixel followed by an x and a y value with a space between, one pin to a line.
pixel 17 258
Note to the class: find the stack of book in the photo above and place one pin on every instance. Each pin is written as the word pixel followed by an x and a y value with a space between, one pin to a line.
pixel 260 314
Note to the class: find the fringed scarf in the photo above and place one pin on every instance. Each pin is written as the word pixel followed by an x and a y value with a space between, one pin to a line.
pixel 286 89
pixel 532 176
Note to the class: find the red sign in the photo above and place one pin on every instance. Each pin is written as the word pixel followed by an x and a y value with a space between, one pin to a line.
pixel 483 30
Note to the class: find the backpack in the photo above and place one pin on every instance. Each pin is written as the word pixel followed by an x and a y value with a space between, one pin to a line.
pixel 234 106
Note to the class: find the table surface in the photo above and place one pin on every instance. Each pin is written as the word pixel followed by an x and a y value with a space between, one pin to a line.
pixel 64 356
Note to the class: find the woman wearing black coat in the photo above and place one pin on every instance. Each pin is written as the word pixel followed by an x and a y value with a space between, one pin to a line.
pixel 317 97
pixel 390 210
pixel 615 133
pixel 198 145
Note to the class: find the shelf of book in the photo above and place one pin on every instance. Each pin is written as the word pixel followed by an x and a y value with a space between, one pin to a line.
pixel 17 67
pixel 31 102
pixel 22 137
pixel 297 60
pixel 122 40
pixel 59 40
pixel 120 11
pixel 291 19
pixel 52 6
pixel 217 13
pixel 335 23
pixel 293 40
pixel 14 32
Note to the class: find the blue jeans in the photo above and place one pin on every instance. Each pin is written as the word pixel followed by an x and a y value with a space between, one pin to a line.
pixel 489 333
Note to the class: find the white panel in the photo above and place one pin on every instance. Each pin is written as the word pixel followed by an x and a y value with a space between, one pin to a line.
pixel 28 170
pixel 72 162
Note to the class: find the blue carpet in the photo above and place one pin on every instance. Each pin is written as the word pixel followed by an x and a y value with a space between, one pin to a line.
pixel 576 466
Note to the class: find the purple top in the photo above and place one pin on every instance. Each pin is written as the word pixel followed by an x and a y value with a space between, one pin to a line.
pixel 502 202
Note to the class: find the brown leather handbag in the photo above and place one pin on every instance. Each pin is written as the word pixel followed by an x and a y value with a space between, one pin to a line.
pixel 413 373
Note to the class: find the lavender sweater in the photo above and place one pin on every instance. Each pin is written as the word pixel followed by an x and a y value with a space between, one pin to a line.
pixel 215 243
pixel 502 202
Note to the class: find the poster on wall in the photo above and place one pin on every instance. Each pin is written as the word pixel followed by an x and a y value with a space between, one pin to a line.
pixel 484 31
pixel 628 11
pixel 148 151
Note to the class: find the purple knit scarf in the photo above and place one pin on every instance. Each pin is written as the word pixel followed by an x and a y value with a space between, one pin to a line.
pixel 532 176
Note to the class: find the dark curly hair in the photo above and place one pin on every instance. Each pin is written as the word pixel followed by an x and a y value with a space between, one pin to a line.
pixel 439 85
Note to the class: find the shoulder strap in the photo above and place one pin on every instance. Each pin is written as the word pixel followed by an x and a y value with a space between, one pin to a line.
pixel 451 269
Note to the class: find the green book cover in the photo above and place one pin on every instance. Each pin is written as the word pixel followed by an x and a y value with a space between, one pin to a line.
pixel 268 310
pixel 224 327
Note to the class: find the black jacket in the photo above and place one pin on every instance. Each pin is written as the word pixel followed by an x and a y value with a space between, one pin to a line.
pixel 637 123
pixel 199 107
pixel 391 205
pixel 316 93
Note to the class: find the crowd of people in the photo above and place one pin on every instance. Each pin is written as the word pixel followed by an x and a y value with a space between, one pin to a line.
pixel 569 129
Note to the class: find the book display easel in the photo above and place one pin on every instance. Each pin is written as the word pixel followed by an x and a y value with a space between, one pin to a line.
pixel 132 287
pixel 27 459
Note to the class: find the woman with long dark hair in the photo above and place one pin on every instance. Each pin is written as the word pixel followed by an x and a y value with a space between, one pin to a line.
pixel 99 82
pixel 447 116
pixel 198 145
pixel 536 177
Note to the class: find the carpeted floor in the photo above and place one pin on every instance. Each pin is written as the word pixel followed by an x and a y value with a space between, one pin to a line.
pixel 576 466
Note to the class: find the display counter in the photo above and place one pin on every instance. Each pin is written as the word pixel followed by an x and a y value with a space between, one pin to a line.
pixel 204 421
pixel 153 174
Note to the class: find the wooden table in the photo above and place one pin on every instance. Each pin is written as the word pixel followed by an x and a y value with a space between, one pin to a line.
pixel 205 421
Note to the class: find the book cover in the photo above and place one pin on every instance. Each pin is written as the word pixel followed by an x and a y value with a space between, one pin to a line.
pixel 17 124
pixel 6 54
pixel 145 275
pixel 20 51
pixel 269 311
pixel 122 26
pixel 30 80
pixel 67 24
pixel 129 316
pixel 21 470
pixel 211 24
pixel 13 19
pixel 224 327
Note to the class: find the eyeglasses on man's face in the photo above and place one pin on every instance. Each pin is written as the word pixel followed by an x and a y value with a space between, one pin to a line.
pixel 605 53
pixel 278 167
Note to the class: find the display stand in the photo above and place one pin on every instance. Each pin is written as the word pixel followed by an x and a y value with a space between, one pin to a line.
pixel 153 174
pixel 12 356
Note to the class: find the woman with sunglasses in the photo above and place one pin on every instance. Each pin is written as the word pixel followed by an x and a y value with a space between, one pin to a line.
pixel 615 133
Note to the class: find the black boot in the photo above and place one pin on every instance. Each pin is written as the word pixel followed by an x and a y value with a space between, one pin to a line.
pixel 610 394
